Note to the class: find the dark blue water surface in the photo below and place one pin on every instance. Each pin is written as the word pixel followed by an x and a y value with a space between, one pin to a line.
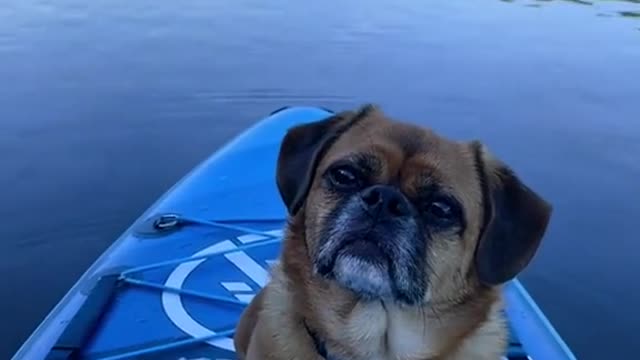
pixel 104 104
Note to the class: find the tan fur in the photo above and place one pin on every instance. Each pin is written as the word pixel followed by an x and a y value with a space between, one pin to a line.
pixel 460 318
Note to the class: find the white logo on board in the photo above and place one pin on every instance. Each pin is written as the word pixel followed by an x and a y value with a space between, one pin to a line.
pixel 172 302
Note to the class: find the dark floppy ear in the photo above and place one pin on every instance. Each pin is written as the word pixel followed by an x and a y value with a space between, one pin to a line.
pixel 301 151
pixel 516 219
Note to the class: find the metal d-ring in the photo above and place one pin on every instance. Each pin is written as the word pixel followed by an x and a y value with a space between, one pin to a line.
pixel 167 221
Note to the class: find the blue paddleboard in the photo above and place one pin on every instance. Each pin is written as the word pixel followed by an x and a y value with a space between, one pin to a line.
pixel 175 283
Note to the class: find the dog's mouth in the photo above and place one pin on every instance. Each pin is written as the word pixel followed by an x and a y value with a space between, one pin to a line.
pixel 364 249
pixel 349 246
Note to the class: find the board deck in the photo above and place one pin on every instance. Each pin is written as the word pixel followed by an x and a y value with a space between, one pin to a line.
pixel 175 283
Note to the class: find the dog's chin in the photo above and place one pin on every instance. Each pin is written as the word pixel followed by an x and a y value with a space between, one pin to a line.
pixel 363 268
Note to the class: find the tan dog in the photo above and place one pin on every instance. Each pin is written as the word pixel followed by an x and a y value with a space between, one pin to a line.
pixel 397 244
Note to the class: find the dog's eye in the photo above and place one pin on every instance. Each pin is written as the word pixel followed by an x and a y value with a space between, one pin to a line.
pixel 344 177
pixel 441 210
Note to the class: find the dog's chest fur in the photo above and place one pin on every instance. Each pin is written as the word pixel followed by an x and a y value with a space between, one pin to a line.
pixel 386 332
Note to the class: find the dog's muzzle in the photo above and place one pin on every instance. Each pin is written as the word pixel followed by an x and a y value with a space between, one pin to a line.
pixel 372 245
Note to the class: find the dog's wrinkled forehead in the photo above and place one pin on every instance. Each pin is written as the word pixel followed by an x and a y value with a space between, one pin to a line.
pixel 405 152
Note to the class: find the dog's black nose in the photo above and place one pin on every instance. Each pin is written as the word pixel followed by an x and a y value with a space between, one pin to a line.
pixel 384 200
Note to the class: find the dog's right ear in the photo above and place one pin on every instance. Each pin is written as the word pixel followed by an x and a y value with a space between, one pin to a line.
pixel 301 151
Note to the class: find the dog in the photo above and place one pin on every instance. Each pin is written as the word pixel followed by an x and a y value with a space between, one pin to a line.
pixel 397 244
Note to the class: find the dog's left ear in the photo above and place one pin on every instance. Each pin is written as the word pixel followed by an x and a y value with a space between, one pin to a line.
pixel 515 221
pixel 302 149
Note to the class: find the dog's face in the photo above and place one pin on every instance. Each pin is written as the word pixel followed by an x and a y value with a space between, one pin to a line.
pixel 394 212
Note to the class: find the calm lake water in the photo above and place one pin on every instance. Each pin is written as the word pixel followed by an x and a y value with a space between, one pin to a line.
pixel 105 104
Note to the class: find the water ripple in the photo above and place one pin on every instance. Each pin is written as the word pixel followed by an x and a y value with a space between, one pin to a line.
pixel 256 95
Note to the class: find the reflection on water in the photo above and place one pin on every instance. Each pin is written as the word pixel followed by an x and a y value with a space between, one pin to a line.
pixel 605 8
pixel 105 104
pixel 632 14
